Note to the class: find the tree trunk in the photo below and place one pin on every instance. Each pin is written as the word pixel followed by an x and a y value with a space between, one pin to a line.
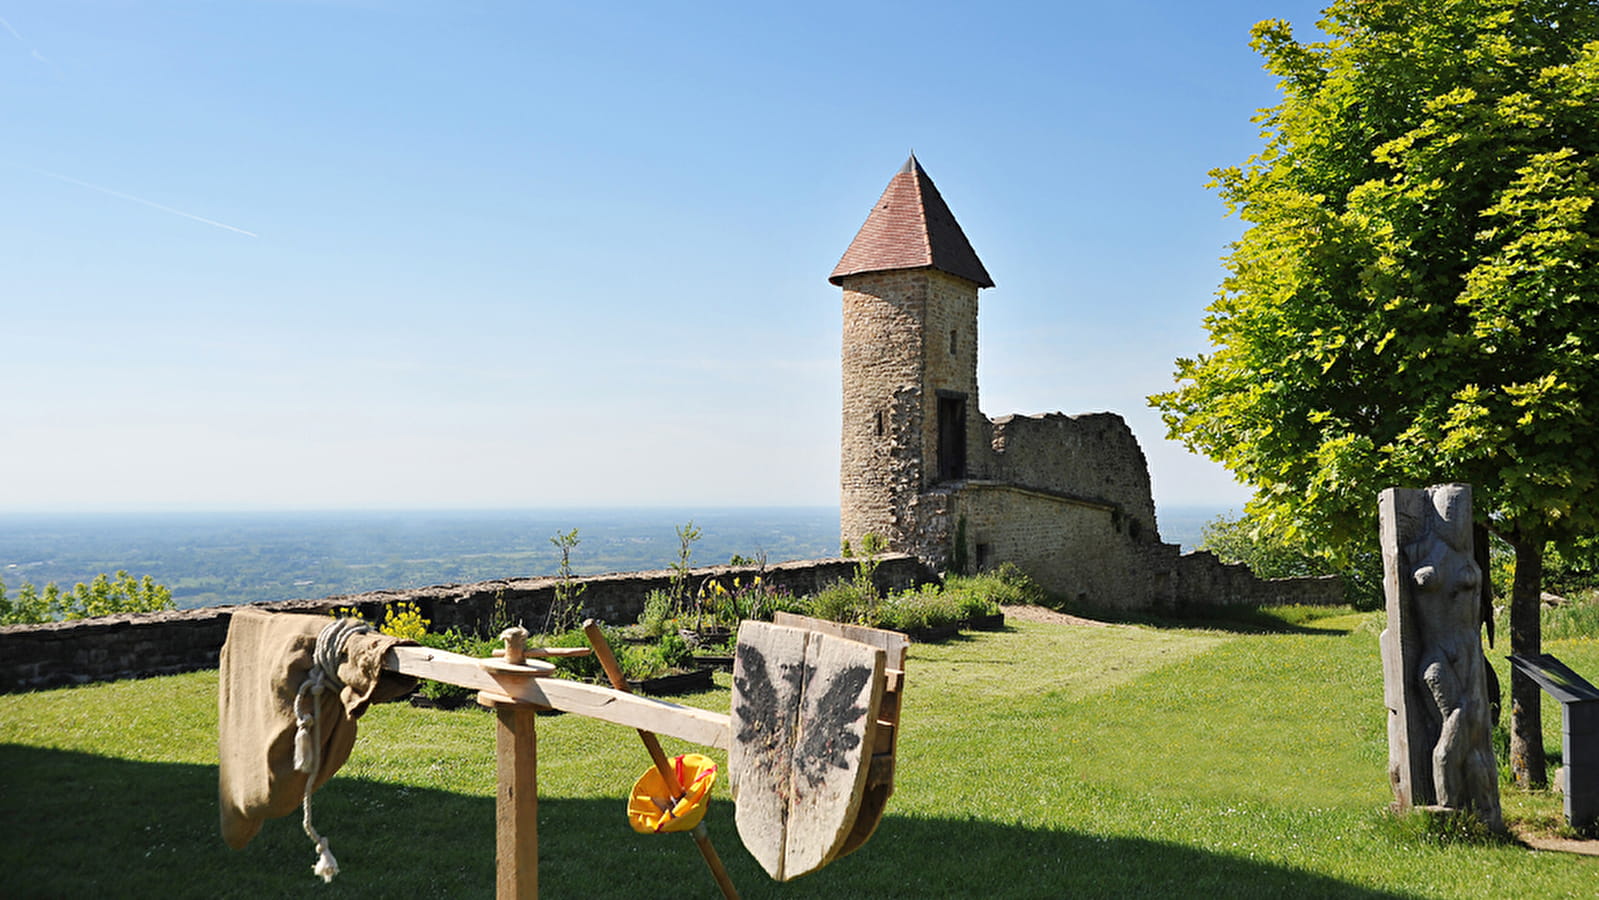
pixel 1526 637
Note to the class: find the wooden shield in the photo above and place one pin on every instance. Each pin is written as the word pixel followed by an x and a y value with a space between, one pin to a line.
pixel 804 719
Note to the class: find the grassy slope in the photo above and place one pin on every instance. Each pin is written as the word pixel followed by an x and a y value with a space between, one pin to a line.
pixel 1044 761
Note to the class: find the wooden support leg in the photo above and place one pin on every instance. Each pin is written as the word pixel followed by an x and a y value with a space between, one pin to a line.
pixel 516 827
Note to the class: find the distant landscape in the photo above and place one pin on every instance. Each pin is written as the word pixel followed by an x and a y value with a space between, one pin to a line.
pixel 217 558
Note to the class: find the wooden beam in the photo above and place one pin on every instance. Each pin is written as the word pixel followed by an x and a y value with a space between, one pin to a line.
pixel 699 726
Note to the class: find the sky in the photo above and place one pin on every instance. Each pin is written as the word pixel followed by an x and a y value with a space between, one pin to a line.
pixel 266 254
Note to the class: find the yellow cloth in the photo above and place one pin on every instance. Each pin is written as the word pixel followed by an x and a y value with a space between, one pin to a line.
pixel 265 660
pixel 650 808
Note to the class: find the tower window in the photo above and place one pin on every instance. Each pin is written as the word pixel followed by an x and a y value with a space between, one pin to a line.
pixel 952 340
pixel 879 418
pixel 951 436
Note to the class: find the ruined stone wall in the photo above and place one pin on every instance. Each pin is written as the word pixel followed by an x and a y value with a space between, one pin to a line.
pixel 1184 582
pixel 1093 456
pixel 1083 553
pixel 145 644
pixel 1074 550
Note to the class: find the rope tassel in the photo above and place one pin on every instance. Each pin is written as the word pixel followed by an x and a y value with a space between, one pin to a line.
pixel 308 727
pixel 326 865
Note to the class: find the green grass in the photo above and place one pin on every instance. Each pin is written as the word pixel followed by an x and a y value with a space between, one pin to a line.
pixel 1042 761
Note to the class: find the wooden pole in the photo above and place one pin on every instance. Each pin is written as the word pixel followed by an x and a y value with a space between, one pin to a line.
pixel 516 805
pixel 702 838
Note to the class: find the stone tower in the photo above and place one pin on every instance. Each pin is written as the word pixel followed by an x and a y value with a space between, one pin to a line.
pixel 911 419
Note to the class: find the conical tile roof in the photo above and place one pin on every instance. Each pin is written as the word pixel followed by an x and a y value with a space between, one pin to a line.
pixel 911 228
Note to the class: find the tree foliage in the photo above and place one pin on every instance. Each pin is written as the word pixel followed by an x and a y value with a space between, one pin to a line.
pixel 1268 553
pixel 100 597
pixel 1416 297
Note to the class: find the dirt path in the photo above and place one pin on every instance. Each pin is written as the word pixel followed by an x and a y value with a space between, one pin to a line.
pixel 1040 614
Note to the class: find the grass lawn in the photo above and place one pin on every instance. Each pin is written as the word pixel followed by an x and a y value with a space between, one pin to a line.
pixel 1043 761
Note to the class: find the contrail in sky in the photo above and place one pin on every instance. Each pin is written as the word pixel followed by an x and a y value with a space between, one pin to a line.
pixel 150 203
pixel 31 49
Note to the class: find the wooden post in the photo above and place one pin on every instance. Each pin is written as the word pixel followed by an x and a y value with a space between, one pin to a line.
pixel 516 805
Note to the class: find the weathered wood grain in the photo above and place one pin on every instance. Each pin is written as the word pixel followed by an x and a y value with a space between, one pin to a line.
pixel 804 718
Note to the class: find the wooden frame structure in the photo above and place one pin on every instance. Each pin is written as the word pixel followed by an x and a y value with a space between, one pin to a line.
pixel 861 776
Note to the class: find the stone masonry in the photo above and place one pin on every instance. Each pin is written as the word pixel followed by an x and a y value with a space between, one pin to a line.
pixel 1066 498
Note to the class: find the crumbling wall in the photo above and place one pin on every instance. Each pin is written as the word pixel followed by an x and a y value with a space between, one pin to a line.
pixel 1074 549
pixel 1093 456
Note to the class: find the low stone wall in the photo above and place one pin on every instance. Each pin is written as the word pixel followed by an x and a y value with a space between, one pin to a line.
pixel 146 644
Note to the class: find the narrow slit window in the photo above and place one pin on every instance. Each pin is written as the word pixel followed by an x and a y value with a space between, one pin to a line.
pixel 952 341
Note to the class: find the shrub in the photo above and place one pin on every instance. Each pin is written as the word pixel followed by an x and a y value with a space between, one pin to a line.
pixel 730 601
pixel 404 620
pixel 100 597
pixel 843 601
pixel 983 594
pixel 673 652
pixel 656 619
pixel 929 607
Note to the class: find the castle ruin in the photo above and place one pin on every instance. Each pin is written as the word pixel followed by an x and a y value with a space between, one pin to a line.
pixel 1066 498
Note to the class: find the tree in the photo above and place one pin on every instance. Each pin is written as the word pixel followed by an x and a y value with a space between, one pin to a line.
pixel 1266 551
pixel 1416 297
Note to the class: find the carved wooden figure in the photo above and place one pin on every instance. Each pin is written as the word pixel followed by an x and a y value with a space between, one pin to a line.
pixel 1435 677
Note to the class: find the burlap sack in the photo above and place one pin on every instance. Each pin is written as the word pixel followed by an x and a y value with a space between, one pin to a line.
pixel 265 660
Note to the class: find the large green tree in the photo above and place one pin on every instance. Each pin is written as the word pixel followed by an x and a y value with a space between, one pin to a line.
pixel 1415 299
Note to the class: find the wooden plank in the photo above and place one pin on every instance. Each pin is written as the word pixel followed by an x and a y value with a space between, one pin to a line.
pixel 893 643
pixel 768 672
pixel 880 782
pixel 607 704
pixel 805 709
pixel 456 668
pixel 838 718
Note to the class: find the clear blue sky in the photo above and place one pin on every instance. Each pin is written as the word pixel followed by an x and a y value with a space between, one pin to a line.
pixel 491 254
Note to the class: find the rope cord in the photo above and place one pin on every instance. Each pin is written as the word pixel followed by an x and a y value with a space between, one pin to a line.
pixel 324 673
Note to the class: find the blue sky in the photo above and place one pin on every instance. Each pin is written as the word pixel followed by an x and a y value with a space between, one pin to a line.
pixel 474 254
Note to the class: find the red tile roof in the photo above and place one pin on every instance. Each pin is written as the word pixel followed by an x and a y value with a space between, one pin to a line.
pixel 911 228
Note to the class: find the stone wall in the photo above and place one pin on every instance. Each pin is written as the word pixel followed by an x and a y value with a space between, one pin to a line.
pixel 1189 581
pixel 910 338
pixel 882 401
pixel 1093 457
pixel 1077 550
pixel 141 645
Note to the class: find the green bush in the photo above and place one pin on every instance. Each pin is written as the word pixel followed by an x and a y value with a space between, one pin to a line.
pixel 843 601
pixel 100 597
pixel 673 652
pixel 656 619
pixel 985 593
pixel 929 607
pixel 579 668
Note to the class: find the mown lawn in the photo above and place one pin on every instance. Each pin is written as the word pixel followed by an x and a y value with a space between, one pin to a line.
pixel 1043 761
